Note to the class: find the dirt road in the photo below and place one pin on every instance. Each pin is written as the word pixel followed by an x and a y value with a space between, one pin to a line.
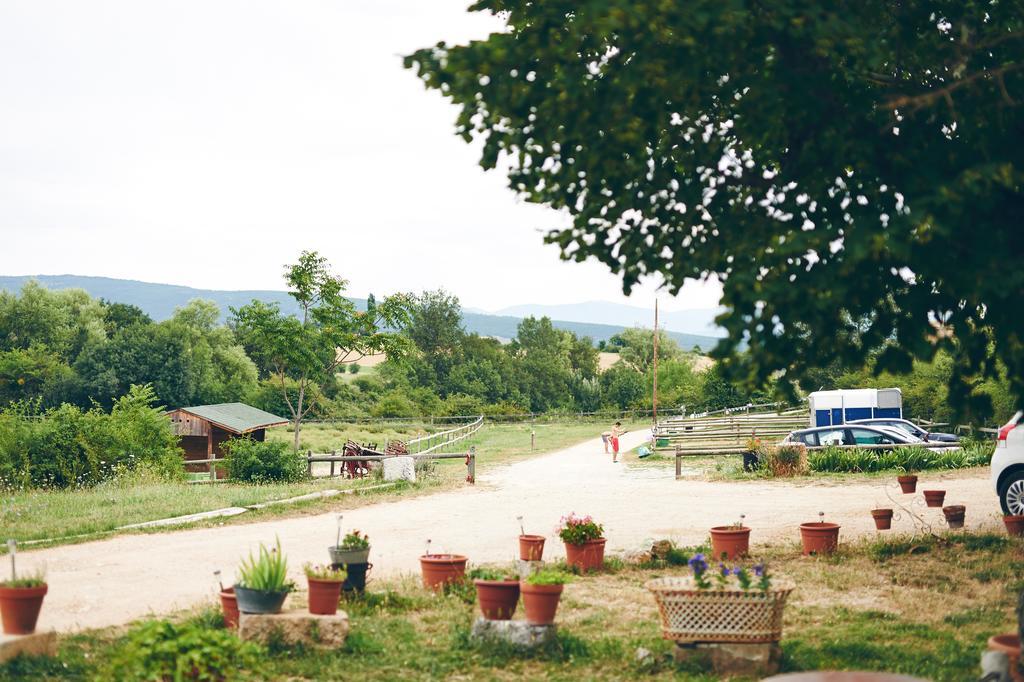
pixel 113 581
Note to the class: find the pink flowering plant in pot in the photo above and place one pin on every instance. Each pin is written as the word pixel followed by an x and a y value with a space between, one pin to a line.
pixel 584 542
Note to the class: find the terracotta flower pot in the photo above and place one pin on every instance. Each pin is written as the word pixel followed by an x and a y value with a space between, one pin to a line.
pixel 1009 644
pixel 540 602
pixel 19 608
pixel 498 598
pixel 883 518
pixel 229 604
pixel 729 542
pixel 955 515
pixel 531 547
pixel 1014 524
pixel 586 557
pixel 441 569
pixel 908 483
pixel 934 498
pixel 324 596
pixel 819 537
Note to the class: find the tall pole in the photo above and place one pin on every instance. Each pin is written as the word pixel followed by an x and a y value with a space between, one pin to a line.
pixel 654 396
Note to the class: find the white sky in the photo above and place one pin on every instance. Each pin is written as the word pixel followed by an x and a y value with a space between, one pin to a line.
pixel 207 142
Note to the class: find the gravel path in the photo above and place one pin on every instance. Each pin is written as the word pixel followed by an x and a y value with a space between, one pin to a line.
pixel 120 579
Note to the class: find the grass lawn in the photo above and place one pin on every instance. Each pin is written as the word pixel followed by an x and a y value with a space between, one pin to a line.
pixel 66 514
pixel 922 606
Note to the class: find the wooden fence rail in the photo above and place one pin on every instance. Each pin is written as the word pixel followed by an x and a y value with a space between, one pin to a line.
pixel 444 439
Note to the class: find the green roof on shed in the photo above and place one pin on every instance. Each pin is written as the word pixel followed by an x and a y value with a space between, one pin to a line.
pixel 236 417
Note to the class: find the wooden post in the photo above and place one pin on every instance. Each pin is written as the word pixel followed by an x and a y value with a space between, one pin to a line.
pixel 333 453
pixel 533 439
pixel 209 453
pixel 472 464
pixel 309 463
pixel 679 464
pixel 654 388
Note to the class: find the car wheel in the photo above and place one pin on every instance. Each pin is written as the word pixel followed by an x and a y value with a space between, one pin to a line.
pixel 1011 493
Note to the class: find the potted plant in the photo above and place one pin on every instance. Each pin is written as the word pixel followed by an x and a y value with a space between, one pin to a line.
pixel 228 603
pixel 324 588
pixel 1009 643
pixel 541 593
pixel 883 518
pixel 907 481
pixel 584 542
pixel 954 514
pixel 263 584
pixel 354 548
pixel 1014 524
pixel 21 599
pixel 531 547
pixel 441 569
pixel 819 537
pixel 730 542
pixel 732 605
pixel 934 498
pixel 497 593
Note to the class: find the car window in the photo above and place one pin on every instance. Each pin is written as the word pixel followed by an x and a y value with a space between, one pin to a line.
pixel 865 437
pixel 810 439
pixel 834 437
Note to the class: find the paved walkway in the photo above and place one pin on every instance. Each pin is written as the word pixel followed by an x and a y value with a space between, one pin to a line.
pixel 123 578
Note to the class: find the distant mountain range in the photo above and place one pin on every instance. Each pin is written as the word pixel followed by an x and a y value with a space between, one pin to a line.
pixel 600 321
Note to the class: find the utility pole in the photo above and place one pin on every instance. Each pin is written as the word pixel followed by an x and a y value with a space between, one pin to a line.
pixel 654 397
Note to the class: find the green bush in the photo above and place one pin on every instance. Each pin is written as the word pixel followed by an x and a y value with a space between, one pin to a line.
pixel 251 461
pixel 68 446
pixel 161 650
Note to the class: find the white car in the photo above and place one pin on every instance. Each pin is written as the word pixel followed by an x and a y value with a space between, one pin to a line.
pixel 1008 466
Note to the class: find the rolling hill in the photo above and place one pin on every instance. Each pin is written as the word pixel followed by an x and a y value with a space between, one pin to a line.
pixel 160 300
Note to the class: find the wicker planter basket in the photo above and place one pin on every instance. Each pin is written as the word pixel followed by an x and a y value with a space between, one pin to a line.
pixel 689 614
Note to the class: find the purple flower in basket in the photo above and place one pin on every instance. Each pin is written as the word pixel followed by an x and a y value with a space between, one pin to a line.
pixel 698 564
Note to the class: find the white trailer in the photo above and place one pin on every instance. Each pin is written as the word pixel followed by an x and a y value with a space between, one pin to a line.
pixel 838 407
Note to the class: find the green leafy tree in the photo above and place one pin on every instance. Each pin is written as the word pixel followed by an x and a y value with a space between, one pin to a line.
pixel 435 326
pixel 307 350
pixel 853 174
pixel 636 348
pixel 623 386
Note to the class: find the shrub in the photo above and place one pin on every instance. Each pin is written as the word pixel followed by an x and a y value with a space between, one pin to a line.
pixel 67 446
pixel 785 460
pixel 549 576
pixel 252 461
pixel 161 650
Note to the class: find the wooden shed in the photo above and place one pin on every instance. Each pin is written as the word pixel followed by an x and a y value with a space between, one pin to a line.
pixel 204 428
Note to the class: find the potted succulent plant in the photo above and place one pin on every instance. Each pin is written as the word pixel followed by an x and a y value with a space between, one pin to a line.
pixel 819 537
pixel 729 542
pixel 441 569
pixel 263 584
pixel 531 547
pixel 541 594
pixel 496 592
pixel 737 604
pixel 21 599
pixel 883 518
pixel 584 542
pixel 324 588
